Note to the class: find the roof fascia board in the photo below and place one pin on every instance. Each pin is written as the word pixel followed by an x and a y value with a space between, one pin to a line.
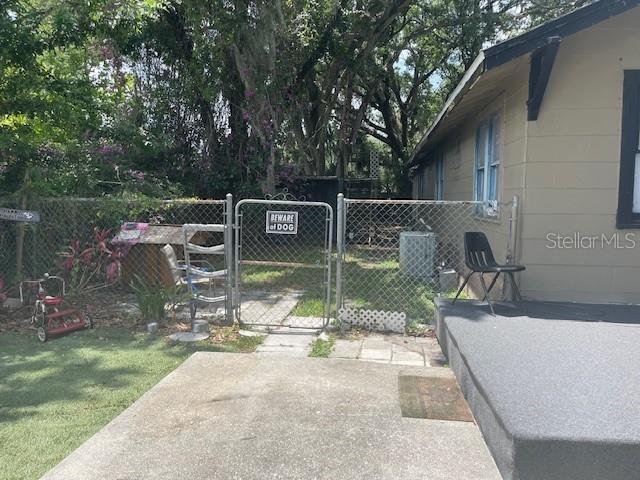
pixel 563 26
pixel 523 44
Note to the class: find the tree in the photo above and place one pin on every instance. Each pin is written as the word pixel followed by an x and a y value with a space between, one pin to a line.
pixel 438 41
pixel 208 96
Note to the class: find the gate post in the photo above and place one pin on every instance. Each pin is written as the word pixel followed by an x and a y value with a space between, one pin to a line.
pixel 513 231
pixel 228 254
pixel 339 250
pixel 512 254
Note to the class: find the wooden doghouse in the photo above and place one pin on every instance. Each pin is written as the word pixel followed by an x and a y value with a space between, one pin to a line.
pixel 144 257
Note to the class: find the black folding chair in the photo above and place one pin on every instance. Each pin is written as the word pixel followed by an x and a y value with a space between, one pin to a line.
pixel 479 259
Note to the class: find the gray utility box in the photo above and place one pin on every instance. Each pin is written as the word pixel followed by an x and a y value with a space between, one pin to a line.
pixel 418 254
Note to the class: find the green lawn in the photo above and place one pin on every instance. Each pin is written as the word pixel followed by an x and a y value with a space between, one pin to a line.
pixel 372 279
pixel 53 396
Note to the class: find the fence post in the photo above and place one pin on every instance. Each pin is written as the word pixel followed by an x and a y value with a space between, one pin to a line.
pixel 228 247
pixel 513 239
pixel 339 250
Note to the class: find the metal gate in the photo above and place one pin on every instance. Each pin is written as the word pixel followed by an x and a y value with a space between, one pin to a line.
pixel 283 263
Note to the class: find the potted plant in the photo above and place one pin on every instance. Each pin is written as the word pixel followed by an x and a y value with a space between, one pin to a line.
pixel 151 298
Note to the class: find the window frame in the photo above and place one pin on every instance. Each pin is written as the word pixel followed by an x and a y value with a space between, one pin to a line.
pixel 629 149
pixel 487 162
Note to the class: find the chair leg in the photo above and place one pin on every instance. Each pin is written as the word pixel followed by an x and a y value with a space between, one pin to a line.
pixel 484 287
pixel 493 282
pixel 516 290
pixel 464 284
pixel 486 295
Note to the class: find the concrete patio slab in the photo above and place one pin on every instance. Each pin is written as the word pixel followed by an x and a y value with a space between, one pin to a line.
pixel 401 357
pixel 393 348
pixel 375 354
pixel 235 416
pixel 287 343
pixel 346 349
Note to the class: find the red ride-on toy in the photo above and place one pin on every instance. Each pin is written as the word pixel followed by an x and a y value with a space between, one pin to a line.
pixel 49 316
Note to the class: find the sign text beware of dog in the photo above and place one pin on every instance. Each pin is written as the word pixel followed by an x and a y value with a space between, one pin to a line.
pixel 284 223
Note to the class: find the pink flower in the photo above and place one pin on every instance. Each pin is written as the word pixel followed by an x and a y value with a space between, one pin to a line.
pixel 86 256
pixel 67 263
pixel 112 271
pixel 136 175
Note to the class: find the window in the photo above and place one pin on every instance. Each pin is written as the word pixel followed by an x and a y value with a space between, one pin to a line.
pixel 629 186
pixel 425 183
pixel 439 186
pixel 487 166
pixel 419 183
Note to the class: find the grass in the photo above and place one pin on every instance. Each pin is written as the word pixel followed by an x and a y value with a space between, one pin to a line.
pixel 53 396
pixel 228 339
pixel 322 348
pixel 310 281
pixel 371 280
pixel 309 306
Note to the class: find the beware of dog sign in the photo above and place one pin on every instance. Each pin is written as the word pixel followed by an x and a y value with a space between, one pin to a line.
pixel 283 223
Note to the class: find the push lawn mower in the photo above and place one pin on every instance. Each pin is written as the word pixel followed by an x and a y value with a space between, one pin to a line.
pixel 49 316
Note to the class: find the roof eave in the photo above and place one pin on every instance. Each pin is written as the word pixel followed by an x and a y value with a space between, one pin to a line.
pixel 525 43
pixel 471 75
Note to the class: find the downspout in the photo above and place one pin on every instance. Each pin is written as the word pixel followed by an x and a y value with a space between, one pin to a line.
pixel 523 201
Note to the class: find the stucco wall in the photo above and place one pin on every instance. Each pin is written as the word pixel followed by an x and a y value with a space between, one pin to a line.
pixel 573 155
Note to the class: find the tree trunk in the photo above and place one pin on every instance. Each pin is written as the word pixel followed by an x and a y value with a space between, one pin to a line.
pixel 270 182
pixel 20 234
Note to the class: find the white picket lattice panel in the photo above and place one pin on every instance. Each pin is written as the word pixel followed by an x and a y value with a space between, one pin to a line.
pixel 376 320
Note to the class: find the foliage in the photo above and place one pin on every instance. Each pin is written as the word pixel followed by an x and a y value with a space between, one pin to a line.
pixel 151 298
pixel 92 265
pixel 322 348
pixel 201 97
pixel 230 336
pixel 58 394
pixel 3 293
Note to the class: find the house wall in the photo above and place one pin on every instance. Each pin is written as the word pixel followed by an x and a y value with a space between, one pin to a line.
pixel 459 163
pixel 564 167
pixel 572 168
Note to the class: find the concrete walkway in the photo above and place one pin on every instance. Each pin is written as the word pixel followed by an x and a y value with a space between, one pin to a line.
pixel 288 343
pixel 393 349
pixel 238 416
pixel 268 308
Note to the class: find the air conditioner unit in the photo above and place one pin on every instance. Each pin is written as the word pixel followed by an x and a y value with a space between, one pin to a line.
pixel 418 254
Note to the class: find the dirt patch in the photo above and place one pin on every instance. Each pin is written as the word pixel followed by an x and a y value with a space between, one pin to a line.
pixel 108 308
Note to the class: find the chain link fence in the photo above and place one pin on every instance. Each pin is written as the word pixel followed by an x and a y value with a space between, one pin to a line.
pixel 283 263
pixel 110 251
pixel 395 257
